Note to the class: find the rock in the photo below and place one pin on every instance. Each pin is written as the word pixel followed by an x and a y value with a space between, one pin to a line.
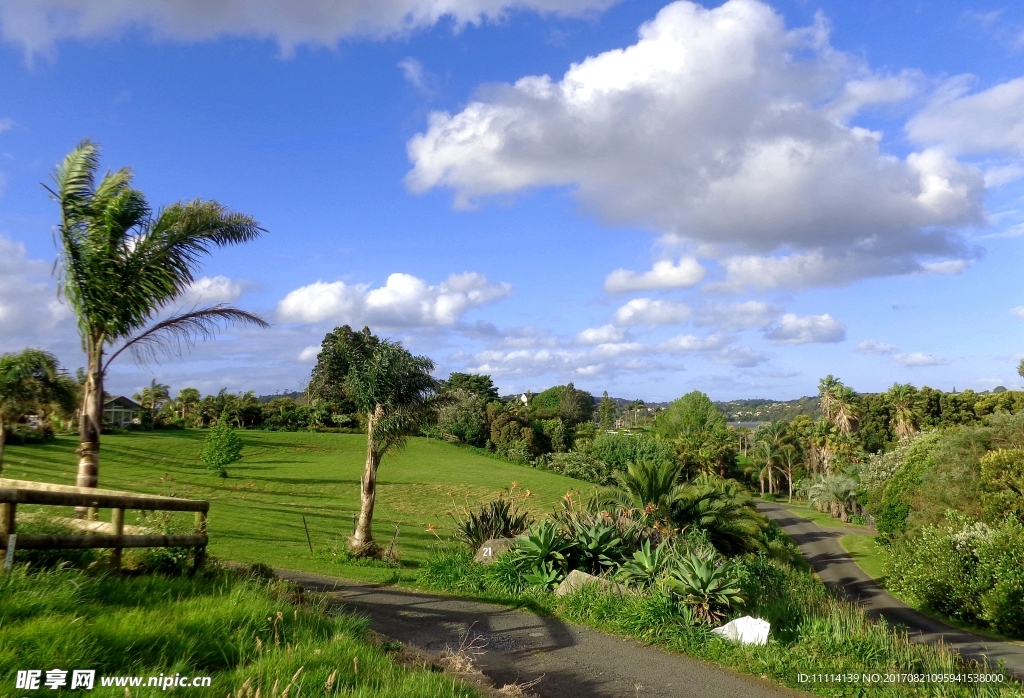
pixel 491 549
pixel 746 630
pixel 576 579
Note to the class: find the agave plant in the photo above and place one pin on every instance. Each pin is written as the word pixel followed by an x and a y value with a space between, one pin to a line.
pixel 709 590
pixel 497 519
pixel 646 566
pixel 545 575
pixel 542 544
pixel 597 547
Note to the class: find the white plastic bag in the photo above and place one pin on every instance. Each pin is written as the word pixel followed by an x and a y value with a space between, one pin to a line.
pixel 746 630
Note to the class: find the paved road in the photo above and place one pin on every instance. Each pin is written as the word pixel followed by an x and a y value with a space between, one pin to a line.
pixel 573 662
pixel 842 575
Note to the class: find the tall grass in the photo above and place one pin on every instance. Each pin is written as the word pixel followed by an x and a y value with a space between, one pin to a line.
pixel 239 631
pixel 812 631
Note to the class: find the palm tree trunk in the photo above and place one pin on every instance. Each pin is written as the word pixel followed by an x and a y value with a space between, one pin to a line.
pixel 89 422
pixel 361 541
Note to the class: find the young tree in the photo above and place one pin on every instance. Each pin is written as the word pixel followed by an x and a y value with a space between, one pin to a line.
pixel 121 264
pixel 606 412
pixel 396 392
pixel 29 380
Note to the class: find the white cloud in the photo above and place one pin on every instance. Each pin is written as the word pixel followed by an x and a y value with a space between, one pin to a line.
pixel 647 311
pixel 600 335
pixel 739 316
pixel 418 76
pixel 404 301
pixel 30 313
pixel 871 347
pixel 664 274
pixel 691 342
pixel 918 359
pixel 6 124
pixel 309 353
pixel 807 329
pixel 1018 311
pixel 741 357
pixel 216 289
pixel 950 267
pixel 984 123
pixel 37 25
pixel 719 126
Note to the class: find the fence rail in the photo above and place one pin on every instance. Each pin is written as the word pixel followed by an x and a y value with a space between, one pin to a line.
pixel 15 492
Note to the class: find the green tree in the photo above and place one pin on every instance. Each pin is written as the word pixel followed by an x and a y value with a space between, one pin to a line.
pixel 29 380
pixel 477 384
pixel 902 398
pixel 698 431
pixel 121 264
pixel 327 383
pixel 396 392
pixel 606 412
pixel 221 447
pixel 187 402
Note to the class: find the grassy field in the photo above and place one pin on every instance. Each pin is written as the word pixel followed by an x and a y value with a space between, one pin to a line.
pixel 249 637
pixel 256 513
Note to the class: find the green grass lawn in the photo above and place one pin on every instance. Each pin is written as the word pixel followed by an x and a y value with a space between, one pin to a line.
pixel 256 513
pixel 816 516
pixel 865 551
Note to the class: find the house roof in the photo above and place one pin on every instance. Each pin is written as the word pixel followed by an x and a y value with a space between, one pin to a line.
pixel 122 402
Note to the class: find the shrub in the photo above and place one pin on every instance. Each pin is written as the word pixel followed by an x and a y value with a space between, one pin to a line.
pixel 708 589
pixel 542 544
pixel 496 519
pixel 221 447
pixel 646 566
pixel 617 450
pixel 1001 565
pixel 596 548
pixel 577 465
pixel 1002 480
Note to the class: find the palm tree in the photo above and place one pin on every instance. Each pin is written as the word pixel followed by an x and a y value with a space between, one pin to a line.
pixel 901 398
pixel 836 401
pixel 187 401
pixel 648 489
pixel 835 494
pixel 768 454
pixel 152 396
pixel 29 380
pixel 121 265
pixel 396 392
pixel 724 510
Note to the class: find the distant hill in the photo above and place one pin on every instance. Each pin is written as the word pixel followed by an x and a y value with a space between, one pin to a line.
pixel 765 410
pixel 295 395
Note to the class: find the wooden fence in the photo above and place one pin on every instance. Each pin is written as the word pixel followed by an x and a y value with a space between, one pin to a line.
pixel 114 535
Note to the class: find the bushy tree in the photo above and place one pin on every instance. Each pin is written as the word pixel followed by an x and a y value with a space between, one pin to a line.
pixel 327 384
pixel 697 430
pixel 221 447
pixel 477 384
pixel 464 417
pixel 618 450
pixel 29 381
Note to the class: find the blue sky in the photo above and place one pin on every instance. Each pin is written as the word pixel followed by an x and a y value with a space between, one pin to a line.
pixel 738 197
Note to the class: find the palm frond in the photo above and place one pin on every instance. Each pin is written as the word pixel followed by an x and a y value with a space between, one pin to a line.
pixel 181 331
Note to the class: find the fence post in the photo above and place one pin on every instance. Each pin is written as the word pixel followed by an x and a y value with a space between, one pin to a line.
pixel 117 521
pixel 7 511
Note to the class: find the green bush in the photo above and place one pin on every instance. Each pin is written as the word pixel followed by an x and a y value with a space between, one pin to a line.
pixel 221 447
pixel 893 510
pixel 577 465
pixel 617 450
pixel 708 587
pixel 1001 566
pixel 497 519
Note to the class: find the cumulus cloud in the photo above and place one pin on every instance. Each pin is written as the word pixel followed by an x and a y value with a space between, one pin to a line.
pixel 664 274
pixel 990 122
pixel 721 127
pixel 692 342
pixel 600 335
pixel 29 309
pixel 309 353
pixel 647 311
pixel 1018 311
pixel 739 316
pixel 215 289
pixel 741 357
pixel 37 25
pixel 807 329
pixel 404 301
pixel 870 347
pixel 917 358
